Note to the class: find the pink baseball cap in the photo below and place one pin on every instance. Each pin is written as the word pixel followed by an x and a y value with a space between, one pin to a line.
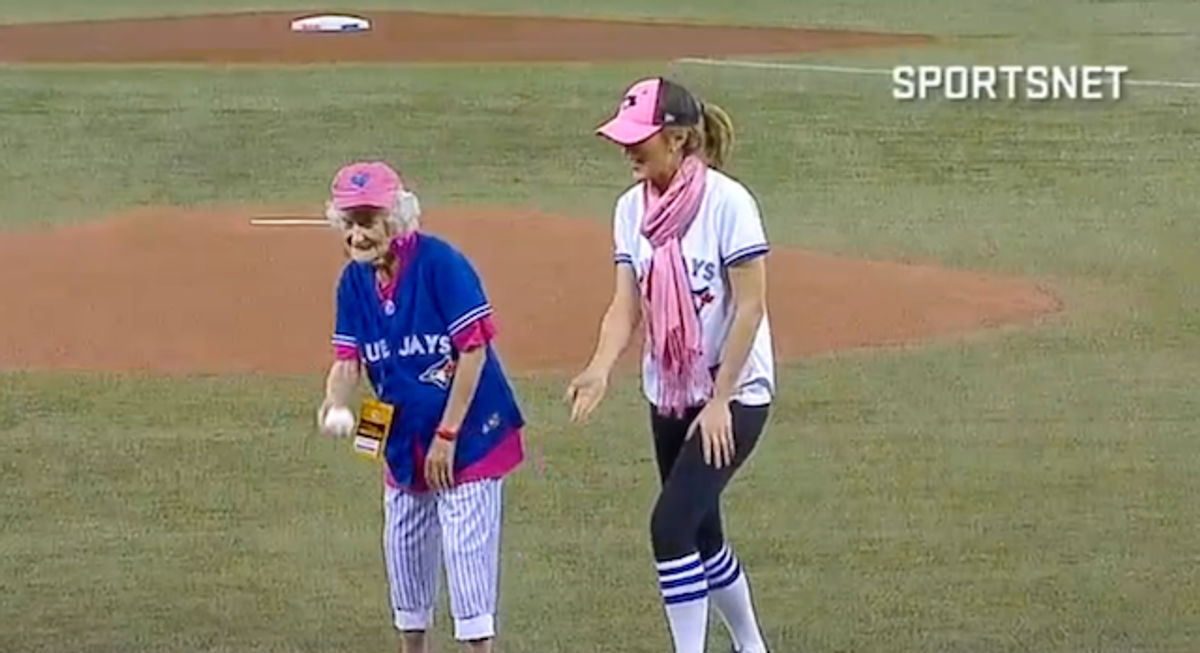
pixel 366 183
pixel 648 106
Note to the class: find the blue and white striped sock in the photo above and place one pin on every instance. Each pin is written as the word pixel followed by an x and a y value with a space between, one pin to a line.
pixel 730 592
pixel 685 597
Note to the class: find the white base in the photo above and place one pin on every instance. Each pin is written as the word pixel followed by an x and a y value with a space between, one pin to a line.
pixel 331 23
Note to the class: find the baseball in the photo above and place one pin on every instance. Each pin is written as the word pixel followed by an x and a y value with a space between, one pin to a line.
pixel 340 421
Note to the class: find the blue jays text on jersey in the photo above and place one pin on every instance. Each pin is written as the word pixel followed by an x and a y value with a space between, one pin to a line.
pixel 408 351
pixel 411 345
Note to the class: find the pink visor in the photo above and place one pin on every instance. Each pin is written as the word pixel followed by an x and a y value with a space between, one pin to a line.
pixel 366 184
pixel 636 117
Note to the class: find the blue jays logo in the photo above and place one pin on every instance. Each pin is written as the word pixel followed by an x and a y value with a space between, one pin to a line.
pixel 702 298
pixel 360 179
pixel 629 101
pixel 440 373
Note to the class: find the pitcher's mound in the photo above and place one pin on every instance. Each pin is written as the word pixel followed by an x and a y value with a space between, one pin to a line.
pixel 177 291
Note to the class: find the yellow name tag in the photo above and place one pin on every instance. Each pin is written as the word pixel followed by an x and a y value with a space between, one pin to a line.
pixel 374 424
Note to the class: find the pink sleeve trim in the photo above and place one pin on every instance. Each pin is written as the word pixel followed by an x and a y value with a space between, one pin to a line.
pixel 345 352
pixel 475 335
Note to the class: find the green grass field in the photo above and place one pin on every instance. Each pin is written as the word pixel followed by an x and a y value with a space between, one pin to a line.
pixel 1021 490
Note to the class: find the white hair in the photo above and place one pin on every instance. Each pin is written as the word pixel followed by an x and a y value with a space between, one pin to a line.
pixel 404 216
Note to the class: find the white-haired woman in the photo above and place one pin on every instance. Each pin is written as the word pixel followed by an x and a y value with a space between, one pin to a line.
pixel 412 313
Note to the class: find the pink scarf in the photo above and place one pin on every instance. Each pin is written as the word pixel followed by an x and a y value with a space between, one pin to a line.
pixel 673 328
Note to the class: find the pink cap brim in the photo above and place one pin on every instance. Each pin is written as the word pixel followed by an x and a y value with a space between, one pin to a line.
pixel 627 132
pixel 359 200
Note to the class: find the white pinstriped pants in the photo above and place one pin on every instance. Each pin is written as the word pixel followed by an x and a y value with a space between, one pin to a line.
pixel 462 526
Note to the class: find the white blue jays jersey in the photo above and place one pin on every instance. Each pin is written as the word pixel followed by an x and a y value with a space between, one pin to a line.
pixel 406 346
pixel 727 230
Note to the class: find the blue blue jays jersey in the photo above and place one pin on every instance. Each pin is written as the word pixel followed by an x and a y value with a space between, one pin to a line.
pixel 407 349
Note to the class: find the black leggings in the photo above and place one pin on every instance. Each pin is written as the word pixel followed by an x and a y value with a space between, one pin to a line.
pixel 687 515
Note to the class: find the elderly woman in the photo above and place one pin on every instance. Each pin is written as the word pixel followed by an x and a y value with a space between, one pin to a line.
pixel 412 314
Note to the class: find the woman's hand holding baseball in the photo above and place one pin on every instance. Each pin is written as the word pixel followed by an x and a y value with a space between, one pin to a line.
pixel 343 377
pixel 322 413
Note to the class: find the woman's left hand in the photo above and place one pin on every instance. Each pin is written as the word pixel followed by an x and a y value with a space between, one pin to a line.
pixel 716 432
pixel 439 464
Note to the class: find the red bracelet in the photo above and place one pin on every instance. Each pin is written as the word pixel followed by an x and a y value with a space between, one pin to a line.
pixel 446 433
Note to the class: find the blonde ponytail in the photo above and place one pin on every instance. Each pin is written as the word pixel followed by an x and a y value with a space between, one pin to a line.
pixel 718 134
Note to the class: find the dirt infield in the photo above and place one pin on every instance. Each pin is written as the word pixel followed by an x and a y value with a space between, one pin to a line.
pixel 166 290
pixel 409 36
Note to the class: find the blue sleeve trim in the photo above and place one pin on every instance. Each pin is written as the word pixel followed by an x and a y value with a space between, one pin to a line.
pixel 745 254
pixel 469 317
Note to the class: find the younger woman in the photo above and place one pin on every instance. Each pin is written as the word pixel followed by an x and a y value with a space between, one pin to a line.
pixel 690 263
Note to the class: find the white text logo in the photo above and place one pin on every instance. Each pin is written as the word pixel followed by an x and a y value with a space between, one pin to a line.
pixel 962 83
